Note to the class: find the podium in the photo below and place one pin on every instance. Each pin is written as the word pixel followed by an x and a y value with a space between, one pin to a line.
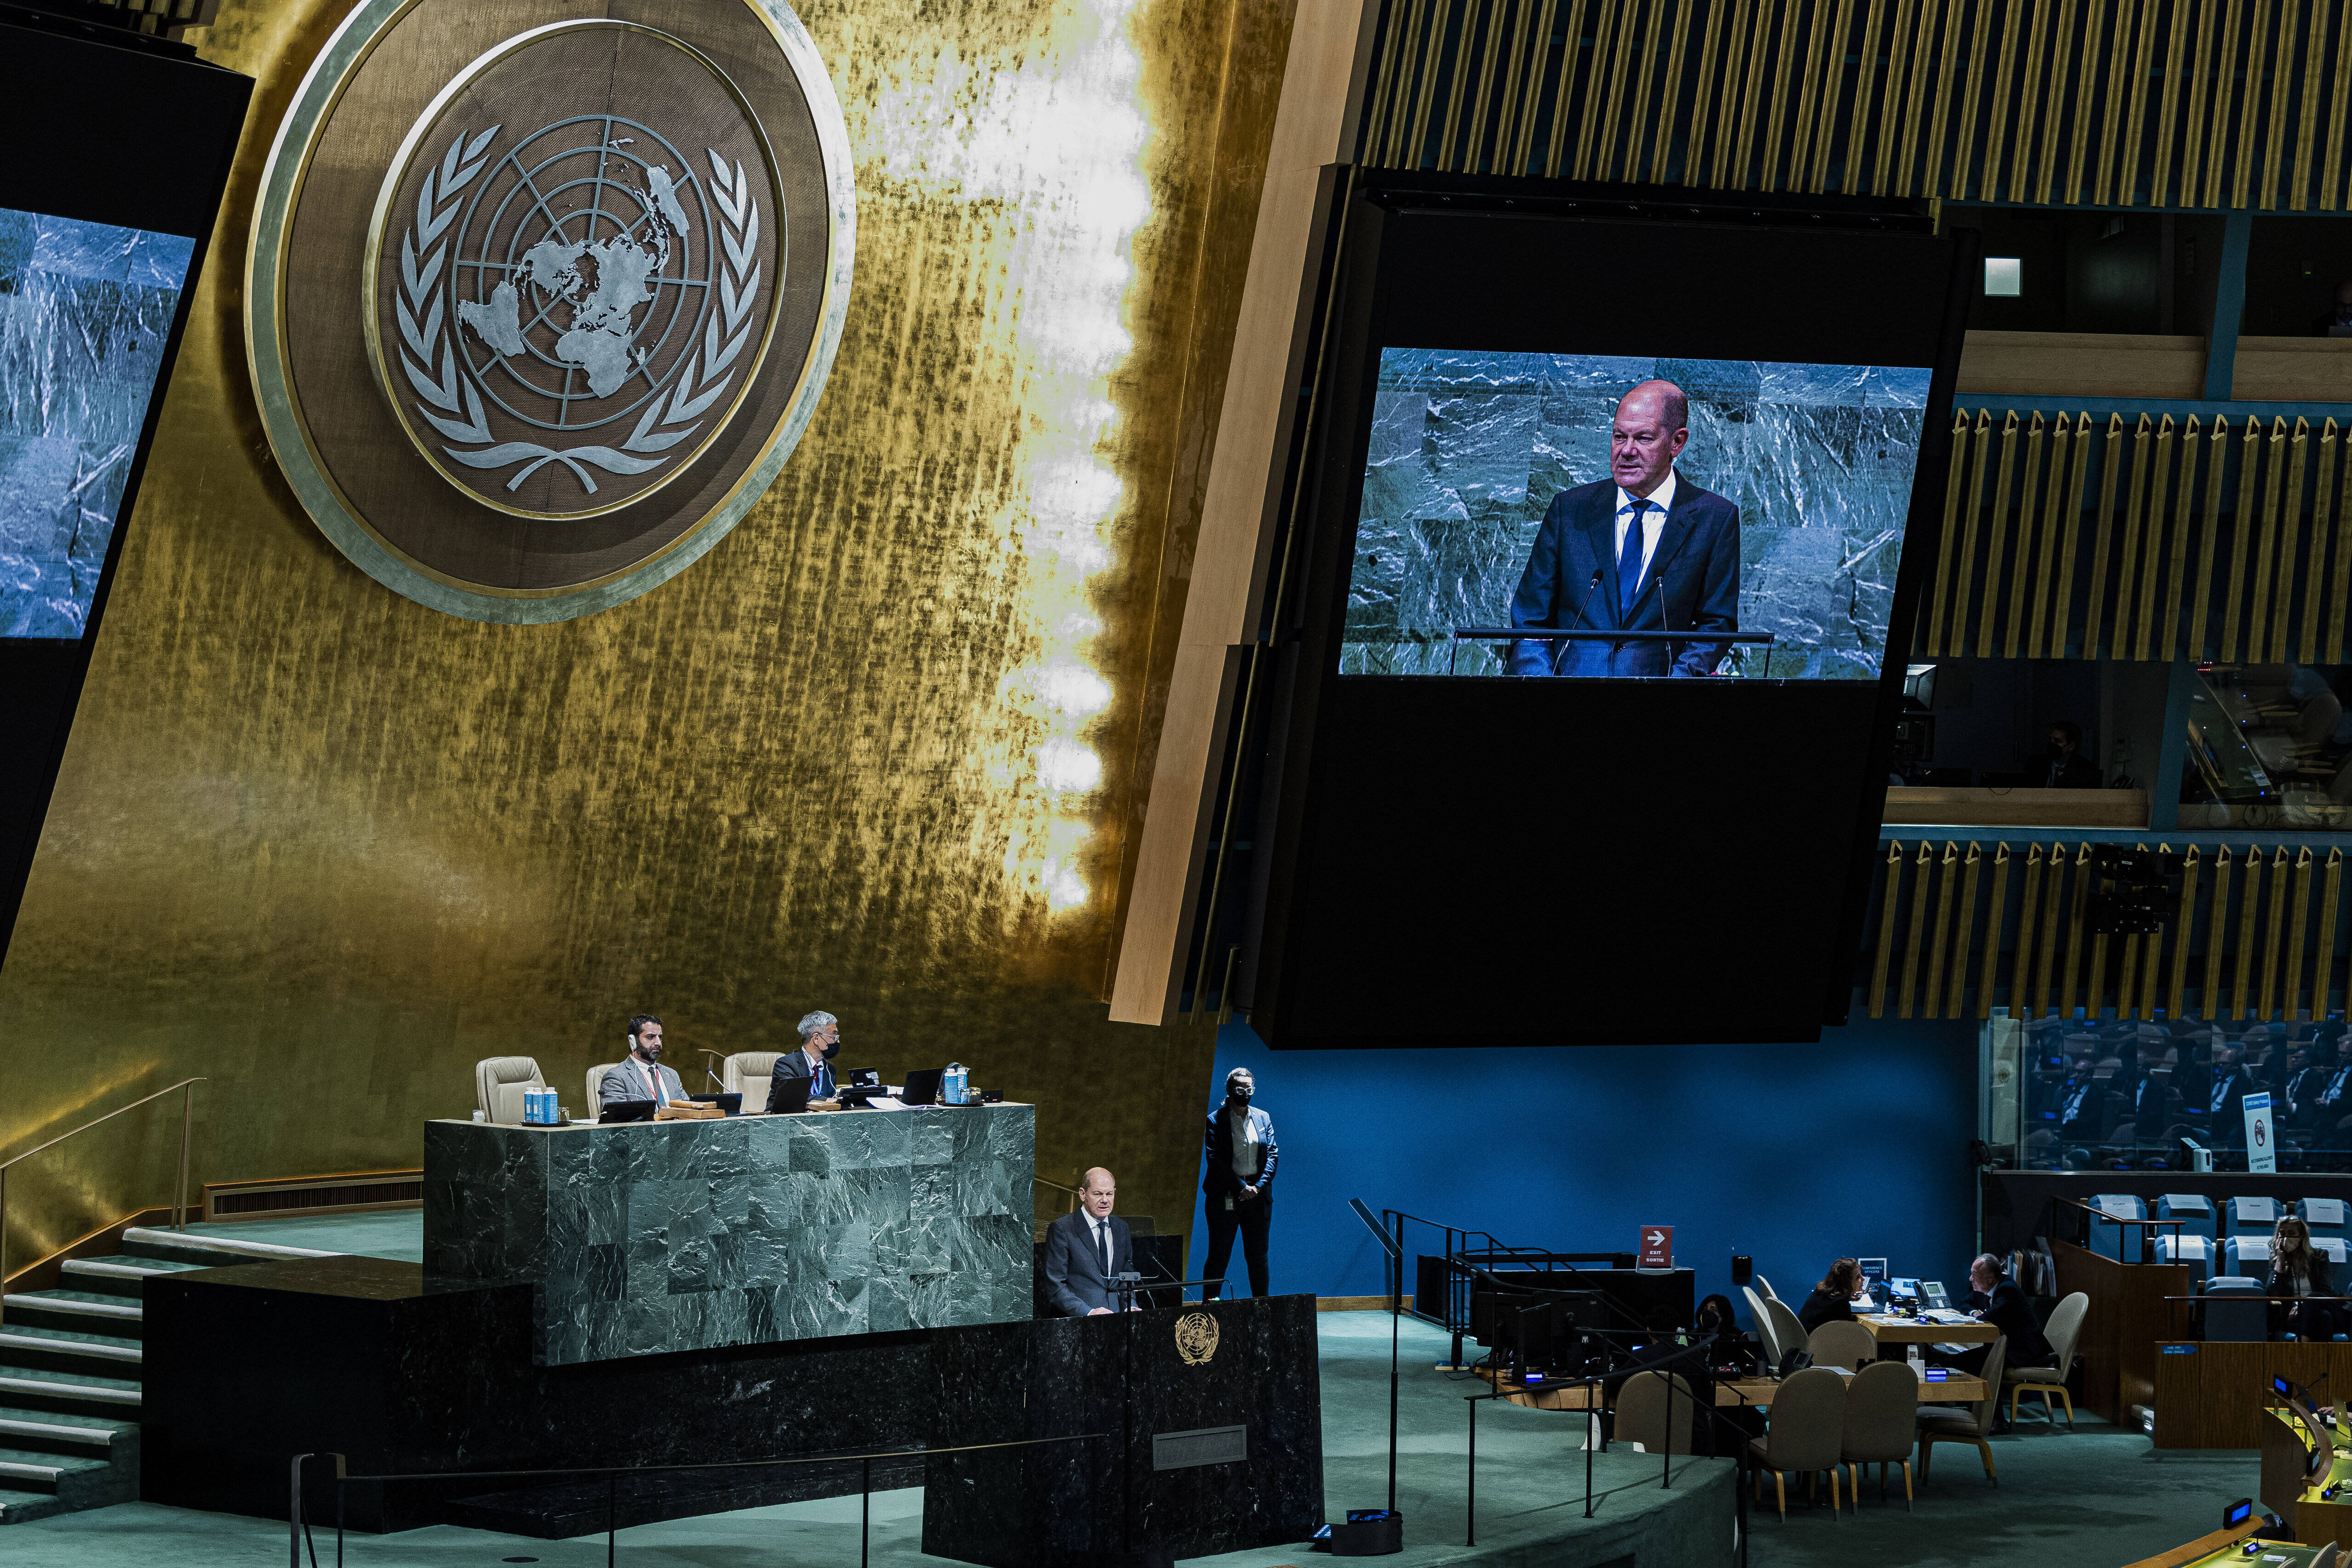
pixel 1212 1417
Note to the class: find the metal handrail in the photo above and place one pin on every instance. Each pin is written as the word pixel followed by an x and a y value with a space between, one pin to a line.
pixel 186 1088
pixel 1075 1194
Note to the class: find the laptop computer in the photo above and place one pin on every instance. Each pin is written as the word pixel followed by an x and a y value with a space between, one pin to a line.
pixel 625 1111
pixel 922 1085
pixel 728 1104
pixel 790 1097
pixel 861 1077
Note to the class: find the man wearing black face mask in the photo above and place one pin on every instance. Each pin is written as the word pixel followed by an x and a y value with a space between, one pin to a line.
pixel 820 1039
pixel 2063 765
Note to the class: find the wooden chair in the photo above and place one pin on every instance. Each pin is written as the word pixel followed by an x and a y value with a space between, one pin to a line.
pixel 1807 1434
pixel 2064 1330
pixel 1881 1408
pixel 1972 1423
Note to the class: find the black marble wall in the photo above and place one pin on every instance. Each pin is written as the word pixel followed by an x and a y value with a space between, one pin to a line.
pixel 404 1373
pixel 1129 1378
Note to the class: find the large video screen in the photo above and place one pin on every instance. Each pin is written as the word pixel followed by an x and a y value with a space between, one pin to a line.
pixel 1675 518
pixel 86 312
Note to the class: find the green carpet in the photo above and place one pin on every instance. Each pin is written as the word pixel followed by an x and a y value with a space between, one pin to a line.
pixel 396 1234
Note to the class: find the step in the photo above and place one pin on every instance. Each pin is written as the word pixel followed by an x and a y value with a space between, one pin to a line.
pixel 30 1478
pixel 207 1251
pixel 68 1394
pixel 112 1276
pixel 72 1310
pixel 51 1434
pixel 66 1352
pixel 20 1507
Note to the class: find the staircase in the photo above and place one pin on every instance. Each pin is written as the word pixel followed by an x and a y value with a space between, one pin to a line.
pixel 70 1371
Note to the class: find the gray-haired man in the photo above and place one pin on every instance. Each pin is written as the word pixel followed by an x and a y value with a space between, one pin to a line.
pixel 820 1038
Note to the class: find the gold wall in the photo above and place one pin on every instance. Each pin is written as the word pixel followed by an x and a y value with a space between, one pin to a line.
pixel 875 753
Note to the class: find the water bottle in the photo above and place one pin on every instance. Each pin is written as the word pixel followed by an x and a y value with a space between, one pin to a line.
pixel 951 1089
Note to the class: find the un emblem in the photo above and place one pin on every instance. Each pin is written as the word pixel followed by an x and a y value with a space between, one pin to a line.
pixel 600 278
pixel 1196 1338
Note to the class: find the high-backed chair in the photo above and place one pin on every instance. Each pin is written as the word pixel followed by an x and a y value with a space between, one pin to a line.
pixel 1790 1333
pixel 595 1085
pixel 1841 1344
pixel 2195 1251
pixel 1881 1408
pixel 1764 1289
pixel 749 1073
pixel 1970 1423
pixel 1767 1333
pixel 2062 1331
pixel 499 1084
pixel 2322 1217
pixel 2249 1256
pixel 2194 1212
pixel 2253 1216
pixel 2120 1242
pixel 1807 1433
pixel 2236 1309
pixel 1644 1414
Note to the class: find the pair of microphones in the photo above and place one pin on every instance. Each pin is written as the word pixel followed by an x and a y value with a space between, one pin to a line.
pixel 1658 581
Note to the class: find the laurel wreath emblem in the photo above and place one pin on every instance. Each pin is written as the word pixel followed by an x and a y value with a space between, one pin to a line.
pixel 441 376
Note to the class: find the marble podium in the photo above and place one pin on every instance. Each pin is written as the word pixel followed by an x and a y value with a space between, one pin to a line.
pixel 646 1237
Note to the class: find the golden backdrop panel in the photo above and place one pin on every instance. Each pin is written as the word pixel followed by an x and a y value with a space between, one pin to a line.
pixel 875 754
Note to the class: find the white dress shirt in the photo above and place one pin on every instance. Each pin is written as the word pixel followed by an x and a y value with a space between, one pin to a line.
pixel 1103 1247
pixel 1246 1153
pixel 1653 522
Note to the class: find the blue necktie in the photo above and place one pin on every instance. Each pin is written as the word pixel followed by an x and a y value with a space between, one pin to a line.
pixel 1629 564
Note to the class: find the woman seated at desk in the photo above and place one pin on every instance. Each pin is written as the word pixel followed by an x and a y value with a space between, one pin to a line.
pixel 2300 1269
pixel 1833 1299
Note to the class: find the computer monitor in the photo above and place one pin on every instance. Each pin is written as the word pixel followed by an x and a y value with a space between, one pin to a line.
pixel 1904 1289
pixel 922 1085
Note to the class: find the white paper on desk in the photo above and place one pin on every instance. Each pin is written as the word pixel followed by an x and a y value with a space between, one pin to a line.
pixel 884 1102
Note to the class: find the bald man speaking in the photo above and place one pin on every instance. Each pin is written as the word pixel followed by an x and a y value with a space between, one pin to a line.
pixel 1084 1251
pixel 1643 549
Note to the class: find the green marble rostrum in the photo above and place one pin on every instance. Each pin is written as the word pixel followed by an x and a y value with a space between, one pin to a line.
pixel 678 1236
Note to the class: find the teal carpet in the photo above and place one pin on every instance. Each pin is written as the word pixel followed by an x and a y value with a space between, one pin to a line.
pixel 396 1234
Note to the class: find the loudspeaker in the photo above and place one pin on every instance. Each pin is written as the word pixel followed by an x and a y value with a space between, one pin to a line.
pixel 1743 1269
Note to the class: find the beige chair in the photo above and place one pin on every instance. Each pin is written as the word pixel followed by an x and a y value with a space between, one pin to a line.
pixel 1882 1408
pixel 1970 1423
pixel 1785 1327
pixel 1764 1289
pixel 2327 1556
pixel 595 1085
pixel 1766 1334
pixel 1841 1344
pixel 499 1083
pixel 1807 1434
pixel 1642 1416
pixel 749 1073
pixel 2064 1328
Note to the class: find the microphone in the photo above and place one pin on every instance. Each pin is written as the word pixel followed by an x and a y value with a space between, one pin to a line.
pixel 1590 589
pixel 715 1079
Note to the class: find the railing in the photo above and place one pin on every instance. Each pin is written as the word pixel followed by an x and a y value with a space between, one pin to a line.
pixel 180 1196
pixel 298 1523
pixel 1075 1194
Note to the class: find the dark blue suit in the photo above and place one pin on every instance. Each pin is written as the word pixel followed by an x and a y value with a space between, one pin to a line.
pixel 1698 560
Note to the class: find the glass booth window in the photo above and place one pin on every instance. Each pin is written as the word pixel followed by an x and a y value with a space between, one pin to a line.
pixel 2269 745
pixel 2068 1094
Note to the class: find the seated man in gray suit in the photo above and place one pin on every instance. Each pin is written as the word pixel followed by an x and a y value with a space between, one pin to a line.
pixel 1085 1249
pixel 820 1042
pixel 641 1075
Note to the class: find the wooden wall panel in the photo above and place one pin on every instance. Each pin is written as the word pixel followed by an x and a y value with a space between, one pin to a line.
pixel 2252 934
pixel 2161 102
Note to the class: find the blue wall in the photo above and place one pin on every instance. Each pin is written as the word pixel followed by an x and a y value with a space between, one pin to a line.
pixel 1795 1155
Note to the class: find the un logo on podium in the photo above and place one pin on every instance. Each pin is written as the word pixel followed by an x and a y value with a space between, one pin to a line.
pixel 600 280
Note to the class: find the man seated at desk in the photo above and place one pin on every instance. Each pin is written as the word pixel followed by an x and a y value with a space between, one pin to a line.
pixel 1999 1302
pixel 641 1076
pixel 1085 1250
pixel 820 1039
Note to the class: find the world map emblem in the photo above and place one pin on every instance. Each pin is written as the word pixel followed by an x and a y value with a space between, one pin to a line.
pixel 561 315
pixel 600 275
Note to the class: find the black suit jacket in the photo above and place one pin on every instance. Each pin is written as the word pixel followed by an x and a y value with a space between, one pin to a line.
pixel 1074 1276
pixel 793 1064
pixel 2008 1309
pixel 1697 562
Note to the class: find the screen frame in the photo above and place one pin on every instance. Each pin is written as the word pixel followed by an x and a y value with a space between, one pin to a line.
pixel 1312 703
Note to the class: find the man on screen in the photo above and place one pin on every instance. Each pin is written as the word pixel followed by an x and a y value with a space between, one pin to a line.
pixel 1640 551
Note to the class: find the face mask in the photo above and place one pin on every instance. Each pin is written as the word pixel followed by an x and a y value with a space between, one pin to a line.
pixel 832 1050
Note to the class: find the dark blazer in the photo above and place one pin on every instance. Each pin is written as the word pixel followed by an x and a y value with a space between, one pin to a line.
pixel 2231 1112
pixel 1824 1307
pixel 793 1064
pixel 1698 560
pixel 1074 1276
pixel 2303 1088
pixel 2008 1309
pixel 1218 1178
pixel 2077 772
pixel 2323 1279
